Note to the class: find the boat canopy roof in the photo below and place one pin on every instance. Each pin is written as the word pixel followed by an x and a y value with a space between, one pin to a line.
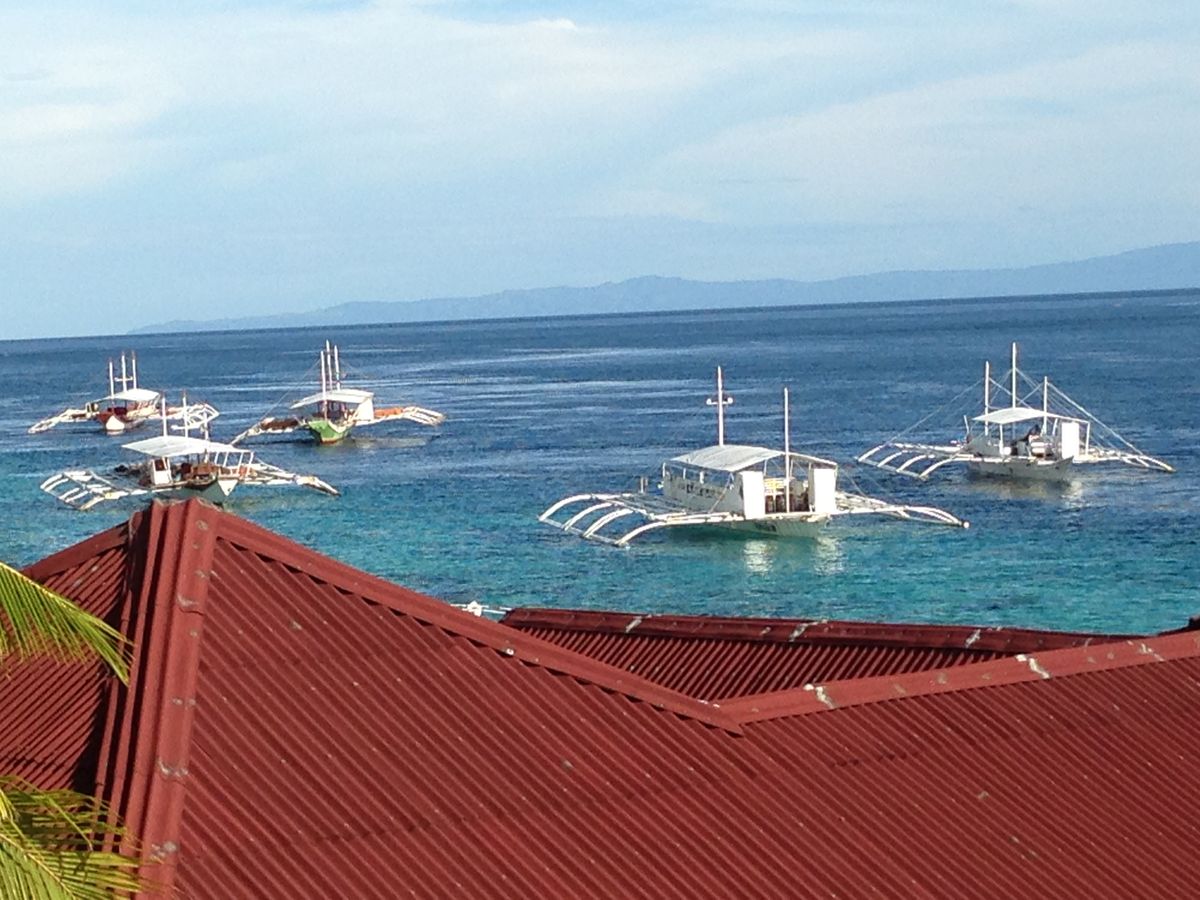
pixel 1010 414
pixel 727 457
pixel 340 395
pixel 169 445
pixel 136 395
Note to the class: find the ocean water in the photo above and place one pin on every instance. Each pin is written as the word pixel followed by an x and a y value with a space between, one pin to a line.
pixel 541 408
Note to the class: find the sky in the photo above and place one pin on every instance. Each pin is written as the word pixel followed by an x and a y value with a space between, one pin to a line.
pixel 203 159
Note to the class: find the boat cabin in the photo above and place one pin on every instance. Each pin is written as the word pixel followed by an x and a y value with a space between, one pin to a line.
pixel 751 482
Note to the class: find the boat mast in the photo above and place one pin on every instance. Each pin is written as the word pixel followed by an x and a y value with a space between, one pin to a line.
pixel 987 393
pixel 1045 401
pixel 324 376
pixel 1013 389
pixel 787 456
pixel 133 362
pixel 337 369
pixel 124 375
pixel 112 388
pixel 720 403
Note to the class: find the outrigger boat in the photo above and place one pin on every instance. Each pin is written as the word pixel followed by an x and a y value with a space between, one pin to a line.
pixel 176 464
pixel 126 406
pixel 1035 431
pixel 737 487
pixel 333 412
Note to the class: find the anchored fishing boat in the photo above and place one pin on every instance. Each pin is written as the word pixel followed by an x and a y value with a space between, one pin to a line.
pixel 127 406
pixel 1027 429
pixel 333 412
pixel 736 487
pixel 175 464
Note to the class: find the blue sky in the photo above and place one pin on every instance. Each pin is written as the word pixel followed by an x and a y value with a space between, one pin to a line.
pixel 210 159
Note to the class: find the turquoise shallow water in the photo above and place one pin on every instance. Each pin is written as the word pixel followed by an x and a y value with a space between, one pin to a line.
pixel 541 408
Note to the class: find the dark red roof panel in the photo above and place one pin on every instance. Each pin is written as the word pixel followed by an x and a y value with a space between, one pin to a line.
pixel 295 727
pixel 51 713
pixel 716 657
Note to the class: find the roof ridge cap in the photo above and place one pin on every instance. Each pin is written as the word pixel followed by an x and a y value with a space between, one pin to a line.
pixel 1023 667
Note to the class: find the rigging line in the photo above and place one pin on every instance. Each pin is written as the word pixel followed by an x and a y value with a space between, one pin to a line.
pixel 1112 431
pixel 955 399
pixel 293 390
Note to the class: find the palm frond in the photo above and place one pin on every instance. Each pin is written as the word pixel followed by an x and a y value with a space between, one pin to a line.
pixel 35 621
pixel 51 847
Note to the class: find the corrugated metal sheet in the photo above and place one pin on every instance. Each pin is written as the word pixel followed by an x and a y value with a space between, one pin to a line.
pixel 1079 785
pixel 716 657
pixel 295 727
pixel 51 713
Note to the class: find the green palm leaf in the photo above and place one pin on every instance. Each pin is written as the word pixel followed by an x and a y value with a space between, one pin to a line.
pixel 49 847
pixel 35 621
pixel 52 842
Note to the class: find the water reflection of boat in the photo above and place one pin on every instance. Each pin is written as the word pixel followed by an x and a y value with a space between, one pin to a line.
pixel 741 488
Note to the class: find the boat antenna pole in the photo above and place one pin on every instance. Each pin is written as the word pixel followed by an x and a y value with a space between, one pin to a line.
pixel 987 393
pixel 1013 390
pixel 720 404
pixel 324 376
pixel 787 456
pixel 163 406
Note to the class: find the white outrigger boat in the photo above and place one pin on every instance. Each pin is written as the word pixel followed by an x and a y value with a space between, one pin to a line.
pixel 127 406
pixel 333 412
pixel 754 490
pixel 176 464
pixel 1035 431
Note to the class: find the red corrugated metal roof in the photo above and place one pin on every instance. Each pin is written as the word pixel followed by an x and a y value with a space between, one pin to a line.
pixel 718 657
pixel 51 713
pixel 295 727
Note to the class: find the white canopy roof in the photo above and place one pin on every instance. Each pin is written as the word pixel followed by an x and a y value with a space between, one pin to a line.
pixel 727 457
pixel 341 395
pixel 1010 414
pixel 137 395
pixel 180 445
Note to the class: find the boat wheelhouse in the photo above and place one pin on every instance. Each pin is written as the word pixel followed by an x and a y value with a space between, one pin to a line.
pixel 1027 429
pixel 333 412
pixel 735 487
pixel 175 465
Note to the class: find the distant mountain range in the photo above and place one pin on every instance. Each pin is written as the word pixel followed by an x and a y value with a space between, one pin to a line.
pixel 1166 267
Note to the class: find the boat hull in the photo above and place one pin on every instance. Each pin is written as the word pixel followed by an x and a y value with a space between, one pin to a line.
pixel 778 526
pixel 1024 469
pixel 325 431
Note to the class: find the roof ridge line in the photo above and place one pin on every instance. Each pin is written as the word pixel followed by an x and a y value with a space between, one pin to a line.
pixel 502 638
pixel 69 557
pixel 1023 667
pixel 789 630
pixel 150 768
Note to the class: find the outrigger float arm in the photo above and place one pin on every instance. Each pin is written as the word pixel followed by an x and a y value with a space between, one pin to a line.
pixel 84 489
pixel 908 459
pixel 70 414
pixel 598 511
pixel 418 414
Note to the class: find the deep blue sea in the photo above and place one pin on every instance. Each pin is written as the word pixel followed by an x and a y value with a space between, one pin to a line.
pixel 541 408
